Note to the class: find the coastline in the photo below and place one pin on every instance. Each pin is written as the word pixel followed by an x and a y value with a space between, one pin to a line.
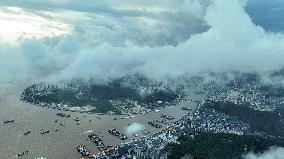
pixel 63 143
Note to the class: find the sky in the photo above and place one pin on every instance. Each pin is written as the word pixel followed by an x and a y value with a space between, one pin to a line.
pixel 267 13
pixel 68 39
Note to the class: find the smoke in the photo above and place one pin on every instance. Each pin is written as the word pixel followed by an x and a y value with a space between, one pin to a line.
pixel 179 38
pixel 134 128
pixel 273 153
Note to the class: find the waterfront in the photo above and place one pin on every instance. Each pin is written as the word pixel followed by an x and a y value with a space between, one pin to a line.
pixel 63 142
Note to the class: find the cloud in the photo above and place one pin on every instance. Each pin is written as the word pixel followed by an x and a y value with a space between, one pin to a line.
pixel 134 128
pixel 156 23
pixel 273 153
pixel 159 39
pixel 13 65
pixel 233 43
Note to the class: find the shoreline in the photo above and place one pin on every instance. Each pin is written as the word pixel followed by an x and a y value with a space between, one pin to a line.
pixel 63 143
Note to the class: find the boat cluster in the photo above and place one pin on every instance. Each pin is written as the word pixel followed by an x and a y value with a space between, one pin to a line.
pixel 167 117
pixel 154 124
pixel 83 151
pixel 98 141
pixel 63 115
pixel 115 132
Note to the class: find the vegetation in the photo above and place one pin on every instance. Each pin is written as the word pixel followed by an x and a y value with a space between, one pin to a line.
pixel 98 95
pixel 68 97
pixel 113 91
pixel 270 122
pixel 278 73
pixel 272 91
pixel 219 146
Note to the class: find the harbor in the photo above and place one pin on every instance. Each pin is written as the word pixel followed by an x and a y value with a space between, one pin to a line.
pixel 64 133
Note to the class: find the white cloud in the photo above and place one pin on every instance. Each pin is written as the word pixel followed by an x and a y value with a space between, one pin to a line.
pixel 144 23
pixel 161 39
pixel 134 128
pixel 273 153
pixel 17 23
pixel 233 42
